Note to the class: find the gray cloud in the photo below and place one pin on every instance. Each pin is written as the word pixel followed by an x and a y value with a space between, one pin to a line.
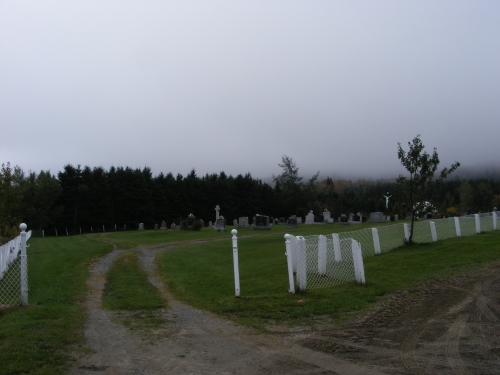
pixel 233 86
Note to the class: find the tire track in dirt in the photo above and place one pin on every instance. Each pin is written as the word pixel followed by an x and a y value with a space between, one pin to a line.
pixel 452 345
pixel 409 344
pixel 196 342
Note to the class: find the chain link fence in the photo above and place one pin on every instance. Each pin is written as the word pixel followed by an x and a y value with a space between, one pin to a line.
pixel 322 261
pixel 13 273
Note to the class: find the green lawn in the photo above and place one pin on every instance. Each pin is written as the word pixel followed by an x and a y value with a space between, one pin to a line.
pixel 36 339
pixel 202 275
pixel 39 338
pixel 127 286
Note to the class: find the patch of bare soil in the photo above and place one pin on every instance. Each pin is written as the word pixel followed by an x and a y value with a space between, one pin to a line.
pixel 446 327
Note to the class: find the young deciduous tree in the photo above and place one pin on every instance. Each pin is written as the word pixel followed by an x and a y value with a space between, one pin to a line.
pixel 420 186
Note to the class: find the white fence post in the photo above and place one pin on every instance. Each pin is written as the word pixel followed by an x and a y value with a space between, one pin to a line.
pixel 457 227
pixel 407 231
pixel 293 248
pixel 289 260
pixel 478 224
pixel 376 241
pixel 24 266
pixel 357 258
pixel 322 255
pixel 494 220
pixel 301 263
pixel 433 231
pixel 336 247
pixel 234 232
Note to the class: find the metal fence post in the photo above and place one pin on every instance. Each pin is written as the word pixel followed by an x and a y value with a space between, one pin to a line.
pixel 24 266
pixel 234 232
pixel 376 241
pixel 289 260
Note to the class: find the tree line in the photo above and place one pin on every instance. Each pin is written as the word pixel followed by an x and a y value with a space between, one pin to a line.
pixel 92 197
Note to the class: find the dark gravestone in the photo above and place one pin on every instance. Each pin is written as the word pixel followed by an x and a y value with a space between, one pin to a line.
pixel 291 223
pixel 319 219
pixel 356 218
pixel 261 222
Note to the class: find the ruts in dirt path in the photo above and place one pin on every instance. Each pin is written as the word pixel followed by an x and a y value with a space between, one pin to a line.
pixel 192 342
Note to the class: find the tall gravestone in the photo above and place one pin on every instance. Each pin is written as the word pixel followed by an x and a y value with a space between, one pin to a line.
pixel 141 226
pixel 310 218
pixel 326 215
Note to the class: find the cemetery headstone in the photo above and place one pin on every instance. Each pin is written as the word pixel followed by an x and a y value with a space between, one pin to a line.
pixel 156 227
pixel 343 219
pixel 163 225
pixel 262 222
pixel 299 220
pixel 141 226
pixel 191 219
pixel 217 209
pixel 282 220
pixel 291 222
pixel 377 217
pixel 357 219
pixel 319 219
pixel 220 225
pixel 235 223
pixel 326 215
pixel 243 222
pixel 210 224
pixel 310 218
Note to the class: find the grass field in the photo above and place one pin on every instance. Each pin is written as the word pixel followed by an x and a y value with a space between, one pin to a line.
pixel 39 338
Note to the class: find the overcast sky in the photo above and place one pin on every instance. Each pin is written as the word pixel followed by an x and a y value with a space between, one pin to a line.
pixel 234 85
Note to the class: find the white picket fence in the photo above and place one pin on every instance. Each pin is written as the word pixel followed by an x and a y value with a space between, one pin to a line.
pixel 14 270
pixel 324 261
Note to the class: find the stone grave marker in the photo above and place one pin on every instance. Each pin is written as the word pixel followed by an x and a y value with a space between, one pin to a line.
pixel 319 219
pixel 377 217
pixel 262 222
pixel 243 222
pixel 343 219
pixel 141 226
pixel 310 218
pixel 326 215
pixel 220 225
pixel 163 225
pixel 291 222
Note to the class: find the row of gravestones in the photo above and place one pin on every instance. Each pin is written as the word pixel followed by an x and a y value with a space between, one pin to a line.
pixel 260 222
pixel 265 222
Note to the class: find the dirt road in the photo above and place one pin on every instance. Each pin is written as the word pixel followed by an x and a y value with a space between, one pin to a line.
pixel 447 327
